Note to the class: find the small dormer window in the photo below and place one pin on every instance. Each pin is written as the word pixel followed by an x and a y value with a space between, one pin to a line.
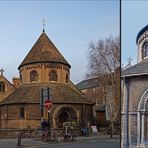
pixel 2 87
pixel 33 76
pixel 53 76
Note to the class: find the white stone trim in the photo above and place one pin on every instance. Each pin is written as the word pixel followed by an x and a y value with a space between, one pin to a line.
pixel 138 129
pixel 142 102
pixel 139 74
pixel 129 113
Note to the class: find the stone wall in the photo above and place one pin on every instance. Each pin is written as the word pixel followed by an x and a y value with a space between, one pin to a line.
pixel 43 72
pixel 10 115
pixel 138 85
pixel 27 133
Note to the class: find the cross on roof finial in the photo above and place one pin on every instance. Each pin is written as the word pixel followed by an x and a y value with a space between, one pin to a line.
pixel 129 60
pixel 43 25
pixel 1 71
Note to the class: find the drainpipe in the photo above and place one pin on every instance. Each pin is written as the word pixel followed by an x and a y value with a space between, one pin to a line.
pixel 126 138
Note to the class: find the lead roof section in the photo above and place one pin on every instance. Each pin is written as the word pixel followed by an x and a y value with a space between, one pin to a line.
pixel 138 69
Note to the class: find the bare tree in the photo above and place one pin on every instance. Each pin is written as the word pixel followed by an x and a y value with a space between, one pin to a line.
pixel 104 63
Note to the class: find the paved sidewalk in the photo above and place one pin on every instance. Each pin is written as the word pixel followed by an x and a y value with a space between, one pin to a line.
pixel 28 142
pixel 91 137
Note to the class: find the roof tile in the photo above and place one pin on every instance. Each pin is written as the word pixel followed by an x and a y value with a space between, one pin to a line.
pixel 43 51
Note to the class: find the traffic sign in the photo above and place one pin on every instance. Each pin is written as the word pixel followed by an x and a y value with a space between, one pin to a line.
pixel 48 104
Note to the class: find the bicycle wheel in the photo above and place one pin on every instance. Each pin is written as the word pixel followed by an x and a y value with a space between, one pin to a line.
pixel 73 137
pixel 34 135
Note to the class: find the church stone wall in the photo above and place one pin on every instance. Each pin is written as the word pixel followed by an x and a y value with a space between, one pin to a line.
pixel 43 72
pixel 84 112
pixel 10 115
pixel 137 87
pixel 133 128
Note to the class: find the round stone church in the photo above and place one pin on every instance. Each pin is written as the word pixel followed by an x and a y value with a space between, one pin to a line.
pixel 44 67
pixel 134 115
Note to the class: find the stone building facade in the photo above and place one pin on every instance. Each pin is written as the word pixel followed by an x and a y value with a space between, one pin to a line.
pixel 101 91
pixel 6 88
pixel 134 113
pixel 92 90
pixel 44 66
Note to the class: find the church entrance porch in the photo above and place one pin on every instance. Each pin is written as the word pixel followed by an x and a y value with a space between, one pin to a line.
pixel 64 113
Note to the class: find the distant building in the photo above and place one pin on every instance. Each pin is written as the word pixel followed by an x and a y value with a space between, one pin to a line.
pixel 90 89
pixel 6 88
pixel 134 113
pixel 99 90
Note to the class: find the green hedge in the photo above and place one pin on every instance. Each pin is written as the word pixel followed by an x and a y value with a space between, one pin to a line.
pixel 73 124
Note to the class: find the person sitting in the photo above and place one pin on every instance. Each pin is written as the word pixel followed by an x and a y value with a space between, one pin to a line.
pixel 84 131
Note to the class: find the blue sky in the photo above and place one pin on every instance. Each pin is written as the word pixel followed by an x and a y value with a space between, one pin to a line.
pixel 71 25
pixel 134 18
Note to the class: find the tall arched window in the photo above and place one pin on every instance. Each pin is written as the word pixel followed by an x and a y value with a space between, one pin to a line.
pixel 66 78
pixel 22 112
pixel 145 50
pixel 33 76
pixel 2 86
pixel 21 78
pixel 53 76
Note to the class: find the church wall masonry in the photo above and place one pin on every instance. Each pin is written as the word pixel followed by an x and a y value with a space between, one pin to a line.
pixel 43 72
pixel 44 67
pixel 134 114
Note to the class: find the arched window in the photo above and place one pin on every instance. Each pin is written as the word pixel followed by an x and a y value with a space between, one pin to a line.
pixel 22 112
pixel 2 86
pixel 33 76
pixel 53 76
pixel 66 78
pixel 21 78
pixel 145 50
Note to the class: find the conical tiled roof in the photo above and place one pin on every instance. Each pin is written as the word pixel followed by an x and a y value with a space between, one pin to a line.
pixel 43 51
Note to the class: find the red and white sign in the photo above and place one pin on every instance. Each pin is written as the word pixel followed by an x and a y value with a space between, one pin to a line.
pixel 48 104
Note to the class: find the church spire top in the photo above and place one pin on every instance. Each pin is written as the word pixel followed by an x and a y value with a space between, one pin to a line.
pixel 1 72
pixel 129 60
pixel 43 25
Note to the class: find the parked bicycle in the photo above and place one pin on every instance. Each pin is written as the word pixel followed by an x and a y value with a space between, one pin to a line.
pixel 52 136
pixel 69 134
pixel 36 135
pixel 44 135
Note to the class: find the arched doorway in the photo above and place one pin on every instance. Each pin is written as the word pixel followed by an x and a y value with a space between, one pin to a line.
pixel 64 113
pixel 64 116
pixel 142 120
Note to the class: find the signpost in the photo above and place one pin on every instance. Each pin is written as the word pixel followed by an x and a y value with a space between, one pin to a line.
pixel 48 104
pixel 45 102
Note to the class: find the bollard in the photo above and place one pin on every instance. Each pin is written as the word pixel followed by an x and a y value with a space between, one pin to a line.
pixel 19 139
